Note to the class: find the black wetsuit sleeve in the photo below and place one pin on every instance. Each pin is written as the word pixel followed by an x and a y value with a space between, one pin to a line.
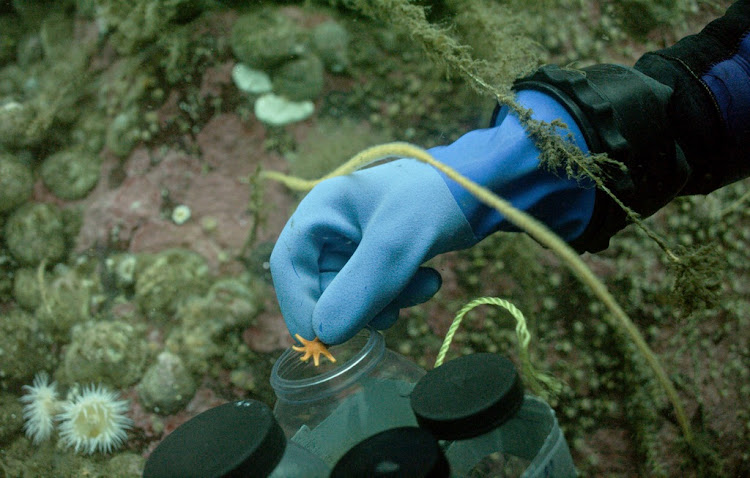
pixel 716 150
pixel 679 120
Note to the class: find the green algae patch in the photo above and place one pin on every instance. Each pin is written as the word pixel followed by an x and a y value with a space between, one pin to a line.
pixel 25 349
pixel 71 174
pixel 172 277
pixel 35 232
pixel 16 182
pixel 113 353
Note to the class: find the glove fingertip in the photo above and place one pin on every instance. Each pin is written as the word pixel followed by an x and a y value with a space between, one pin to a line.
pixel 334 327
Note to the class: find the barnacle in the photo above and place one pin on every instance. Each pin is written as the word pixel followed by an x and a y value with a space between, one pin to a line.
pixel 312 348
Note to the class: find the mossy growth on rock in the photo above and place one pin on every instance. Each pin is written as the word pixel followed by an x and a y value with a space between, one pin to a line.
pixel 35 232
pixel 26 288
pixel 71 174
pixel 167 386
pixel 110 352
pixel 17 125
pixel 171 278
pixel 64 300
pixel 266 38
pixel 25 349
pixel 209 331
pixel 11 417
pixel 300 79
pixel 16 182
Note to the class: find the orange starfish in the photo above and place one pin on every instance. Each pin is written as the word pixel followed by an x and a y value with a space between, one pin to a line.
pixel 312 348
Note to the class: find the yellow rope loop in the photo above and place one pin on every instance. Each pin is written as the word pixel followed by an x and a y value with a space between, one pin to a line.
pixel 358 161
pixel 541 384
pixel 538 231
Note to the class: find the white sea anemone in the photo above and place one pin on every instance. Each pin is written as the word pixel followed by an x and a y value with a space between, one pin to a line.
pixel 93 419
pixel 40 407
pixel 181 214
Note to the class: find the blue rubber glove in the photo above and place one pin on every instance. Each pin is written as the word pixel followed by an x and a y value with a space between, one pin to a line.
pixel 351 253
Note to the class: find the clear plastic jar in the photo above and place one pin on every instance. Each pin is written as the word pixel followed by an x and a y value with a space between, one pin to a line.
pixel 330 408
pixel 297 462
pixel 405 452
pixel 490 427
pixel 235 439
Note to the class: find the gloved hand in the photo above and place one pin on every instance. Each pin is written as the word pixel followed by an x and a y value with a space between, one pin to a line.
pixel 351 253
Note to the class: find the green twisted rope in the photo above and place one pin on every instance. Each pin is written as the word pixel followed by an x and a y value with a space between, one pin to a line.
pixel 541 384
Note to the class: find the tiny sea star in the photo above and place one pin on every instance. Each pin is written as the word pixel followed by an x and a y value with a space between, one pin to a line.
pixel 312 348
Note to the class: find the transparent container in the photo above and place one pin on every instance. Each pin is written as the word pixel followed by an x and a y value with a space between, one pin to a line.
pixel 530 445
pixel 330 408
pixel 405 452
pixel 476 404
pixel 235 439
pixel 297 462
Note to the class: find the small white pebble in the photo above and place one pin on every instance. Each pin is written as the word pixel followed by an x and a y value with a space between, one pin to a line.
pixel 278 111
pixel 250 80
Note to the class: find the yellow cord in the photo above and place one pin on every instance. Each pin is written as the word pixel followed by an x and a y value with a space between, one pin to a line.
pixel 533 228
pixel 541 384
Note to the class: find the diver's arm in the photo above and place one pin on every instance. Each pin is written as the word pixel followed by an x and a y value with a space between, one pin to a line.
pixel 679 120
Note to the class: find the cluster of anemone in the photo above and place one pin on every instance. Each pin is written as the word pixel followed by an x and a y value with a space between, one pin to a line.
pixel 90 419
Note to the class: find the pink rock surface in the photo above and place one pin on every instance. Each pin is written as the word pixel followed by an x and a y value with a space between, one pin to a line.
pixel 136 214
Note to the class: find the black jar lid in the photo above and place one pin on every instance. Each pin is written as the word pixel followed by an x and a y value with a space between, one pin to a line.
pixel 467 396
pixel 404 452
pixel 237 439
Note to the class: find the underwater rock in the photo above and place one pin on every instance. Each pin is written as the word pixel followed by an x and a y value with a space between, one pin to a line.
pixel 250 80
pixel 277 111
pixel 26 290
pixel 123 133
pixel 331 42
pixel 172 277
pixel 56 35
pixel 210 326
pixel 64 301
pixel 25 348
pixel 71 174
pixel 266 38
pixel 36 232
pixel 16 182
pixel 9 40
pixel 11 417
pixel 125 465
pixel 113 353
pixel 167 386
pixel 135 22
pixel 18 125
pixel 300 79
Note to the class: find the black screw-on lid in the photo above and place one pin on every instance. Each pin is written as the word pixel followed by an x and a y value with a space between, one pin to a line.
pixel 404 452
pixel 238 439
pixel 468 396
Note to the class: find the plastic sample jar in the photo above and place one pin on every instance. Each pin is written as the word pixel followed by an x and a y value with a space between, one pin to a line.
pixel 477 404
pixel 237 439
pixel 405 452
pixel 330 408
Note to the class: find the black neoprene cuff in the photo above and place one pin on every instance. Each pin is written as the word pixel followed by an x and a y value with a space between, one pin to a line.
pixel 621 112
pixel 659 118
